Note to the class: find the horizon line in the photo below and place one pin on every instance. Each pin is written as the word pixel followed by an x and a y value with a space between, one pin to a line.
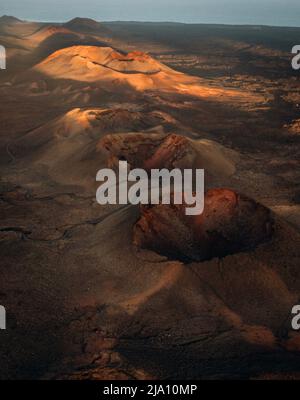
pixel 155 22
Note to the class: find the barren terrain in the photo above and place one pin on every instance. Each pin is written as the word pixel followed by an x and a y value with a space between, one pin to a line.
pixel 89 291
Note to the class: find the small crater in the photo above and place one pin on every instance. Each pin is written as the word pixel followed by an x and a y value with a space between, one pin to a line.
pixel 231 223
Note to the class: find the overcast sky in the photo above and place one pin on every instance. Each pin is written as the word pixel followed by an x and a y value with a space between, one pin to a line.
pixel 269 12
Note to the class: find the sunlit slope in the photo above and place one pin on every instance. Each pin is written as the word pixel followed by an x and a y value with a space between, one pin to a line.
pixel 138 70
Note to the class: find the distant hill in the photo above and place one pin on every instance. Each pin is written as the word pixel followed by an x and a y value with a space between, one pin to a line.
pixel 7 19
pixel 47 31
pixel 85 25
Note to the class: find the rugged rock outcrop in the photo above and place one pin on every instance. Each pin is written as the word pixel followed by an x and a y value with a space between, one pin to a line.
pixel 230 223
pixel 159 150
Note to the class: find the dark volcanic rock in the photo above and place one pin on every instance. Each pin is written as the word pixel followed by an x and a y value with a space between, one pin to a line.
pixel 230 223
pixel 159 150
